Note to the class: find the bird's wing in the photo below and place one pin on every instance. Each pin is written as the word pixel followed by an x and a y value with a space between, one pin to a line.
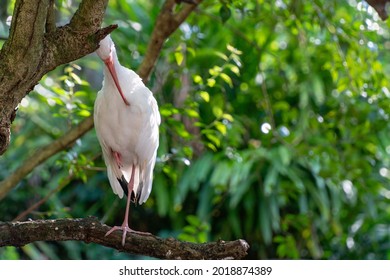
pixel 156 113
pixel 148 180
pixel 113 172
pixel 147 148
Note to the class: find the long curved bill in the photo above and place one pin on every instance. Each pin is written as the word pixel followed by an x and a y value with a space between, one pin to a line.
pixel 110 65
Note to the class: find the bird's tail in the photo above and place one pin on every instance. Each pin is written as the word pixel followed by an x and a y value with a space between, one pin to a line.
pixel 124 184
pixel 143 176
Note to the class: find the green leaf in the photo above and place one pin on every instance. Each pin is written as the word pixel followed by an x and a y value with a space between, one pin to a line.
pixel 228 117
pixel 227 79
pixel 179 57
pixel 264 221
pixel 221 174
pixel 76 78
pixel 168 110
pixel 221 127
pixel 198 79
pixel 211 146
pixel 215 71
pixel 318 90
pixel 214 139
pixel 285 155
pixel 211 82
pixel 233 50
pixel 224 13
pixel 205 96
pixel 270 181
pixel 179 128
pixel 194 176
pixel 304 97
pixel 217 111
pixel 235 69
pixel 84 113
pixel 191 113
pixel 222 55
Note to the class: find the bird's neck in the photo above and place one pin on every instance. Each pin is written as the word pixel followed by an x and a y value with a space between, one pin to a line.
pixel 117 66
pixel 113 76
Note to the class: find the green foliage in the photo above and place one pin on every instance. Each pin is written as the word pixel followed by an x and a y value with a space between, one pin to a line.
pixel 195 231
pixel 275 130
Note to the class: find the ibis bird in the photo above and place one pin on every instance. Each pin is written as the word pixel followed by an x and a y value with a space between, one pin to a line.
pixel 126 120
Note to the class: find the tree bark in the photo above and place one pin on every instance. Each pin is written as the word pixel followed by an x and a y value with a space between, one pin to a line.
pixel 380 7
pixel 35 47
pixel 90 230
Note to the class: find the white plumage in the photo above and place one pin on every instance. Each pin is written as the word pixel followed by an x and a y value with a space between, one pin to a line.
pixel 126 121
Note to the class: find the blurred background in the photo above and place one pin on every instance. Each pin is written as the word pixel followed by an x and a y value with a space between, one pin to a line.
pixel 275 129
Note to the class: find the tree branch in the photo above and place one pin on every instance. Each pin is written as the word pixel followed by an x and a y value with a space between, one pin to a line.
pixel 30 52
pixel 167 22
pixel 380 6
pixel 166 16
pixel 90 230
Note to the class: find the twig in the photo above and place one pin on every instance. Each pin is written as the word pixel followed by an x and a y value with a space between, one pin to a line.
pixel 90 230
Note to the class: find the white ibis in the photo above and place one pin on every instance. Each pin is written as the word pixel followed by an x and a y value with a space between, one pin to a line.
pixel 126 121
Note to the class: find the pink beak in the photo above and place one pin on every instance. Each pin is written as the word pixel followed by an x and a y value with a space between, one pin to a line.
pixel 110 65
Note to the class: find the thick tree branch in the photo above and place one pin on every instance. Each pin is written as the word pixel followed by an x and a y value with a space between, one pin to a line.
pixel 90 230
pixel 381 6
pixel 166 16
pixel 30 52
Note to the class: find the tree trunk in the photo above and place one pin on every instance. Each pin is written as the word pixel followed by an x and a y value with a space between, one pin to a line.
pixel 35 47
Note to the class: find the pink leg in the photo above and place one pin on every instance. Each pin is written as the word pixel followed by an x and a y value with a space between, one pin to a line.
pixel 125 225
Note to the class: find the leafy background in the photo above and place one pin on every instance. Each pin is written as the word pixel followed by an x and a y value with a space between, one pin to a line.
pixel 275 130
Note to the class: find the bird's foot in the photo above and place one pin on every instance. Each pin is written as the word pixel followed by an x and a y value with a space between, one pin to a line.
pixel 125 230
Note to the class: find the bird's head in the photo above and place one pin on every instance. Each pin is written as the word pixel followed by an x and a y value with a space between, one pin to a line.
pixel 106 52
pixel 106 47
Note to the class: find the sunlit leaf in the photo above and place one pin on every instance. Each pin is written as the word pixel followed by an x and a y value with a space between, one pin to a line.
pixel 214 139
pixel 179 58
pixel 211 82
pixel 228 117
pixel 205 96
pixel 221 127
pixel 227 79
pixel 233 50
pixel 192 113
pixel 198 79
pixel 76 78
pixel 168 110
pixel 235 69
pixel 84 113
pixel 217 111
